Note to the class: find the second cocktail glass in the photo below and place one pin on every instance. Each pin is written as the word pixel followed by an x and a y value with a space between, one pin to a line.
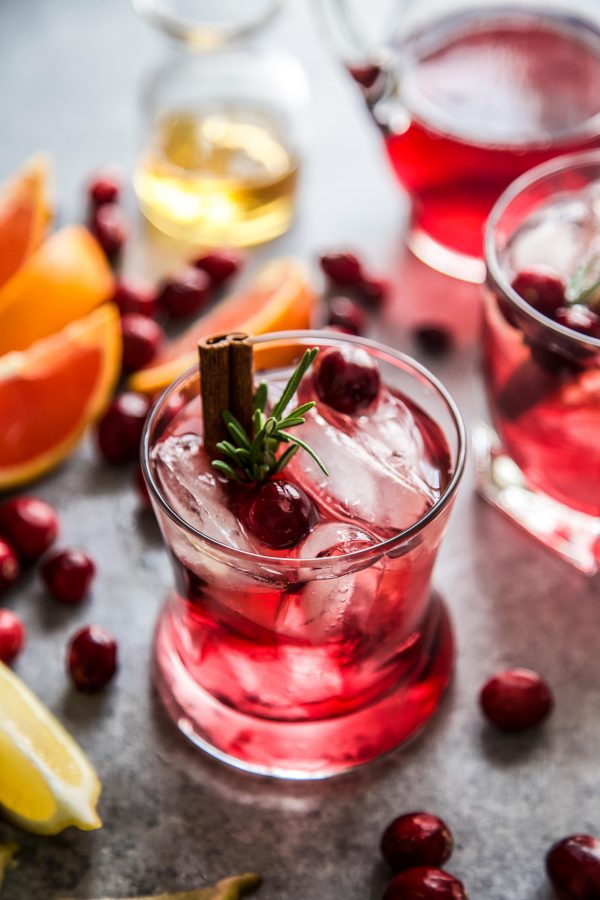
pixel 305 661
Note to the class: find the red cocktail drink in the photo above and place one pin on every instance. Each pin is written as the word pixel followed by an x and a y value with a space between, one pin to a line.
pixel 304 651
pixel 542 352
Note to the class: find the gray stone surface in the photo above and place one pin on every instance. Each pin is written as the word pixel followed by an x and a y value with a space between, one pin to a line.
pixel 69 72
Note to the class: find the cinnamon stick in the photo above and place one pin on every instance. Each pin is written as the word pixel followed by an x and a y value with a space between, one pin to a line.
pixel 225 384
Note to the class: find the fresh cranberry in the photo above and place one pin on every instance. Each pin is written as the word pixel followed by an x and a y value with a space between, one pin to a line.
pixel 542 290
pixel 279 514
pixel 92 658
pixel 142 488
pixel 573 867
pixel 12 635
pixel 365 75
pixel 68 575
pixel 135 297
pixel 142 338
pixel 433 339
pixel 347 380
pixel 416 839
pixel 220 265
pixel 343 269
pixel 29 525
pixel 425 883
pixel 105 187
pixel 9 566
pixel 373 291
pixel 109 227
pixel 346 314
pixel 120 428
pixel 185 293
pixel 579 318
pixel 516 699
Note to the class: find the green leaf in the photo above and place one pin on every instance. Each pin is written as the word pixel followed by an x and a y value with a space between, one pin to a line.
pixel 225 468
pixel 292 385
pixel 236 429
pixel 309 450
pixel 261 396
pixel 285 458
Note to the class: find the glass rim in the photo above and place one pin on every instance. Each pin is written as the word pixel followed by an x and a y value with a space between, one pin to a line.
pixel 381 548
pixel 495 272
pixel 199 34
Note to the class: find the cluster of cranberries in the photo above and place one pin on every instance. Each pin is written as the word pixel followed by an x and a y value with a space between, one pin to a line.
pixel 346 273
pixel 184 294
pixel 416 845
pixel 546 292
pixel 29 527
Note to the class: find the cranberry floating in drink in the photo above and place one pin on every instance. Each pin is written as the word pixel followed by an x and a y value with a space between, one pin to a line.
pixel 468 96
pixel 541 341
pixel 302 637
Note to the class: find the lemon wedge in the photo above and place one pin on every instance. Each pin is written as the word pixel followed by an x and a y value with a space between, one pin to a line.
pixel 46 781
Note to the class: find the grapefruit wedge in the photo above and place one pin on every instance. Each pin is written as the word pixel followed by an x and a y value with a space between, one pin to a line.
pixel 50 392
pixel 24 214
pixel 280 297
pixel 63 280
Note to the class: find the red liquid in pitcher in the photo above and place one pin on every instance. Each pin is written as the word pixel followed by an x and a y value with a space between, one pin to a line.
pixel 489 95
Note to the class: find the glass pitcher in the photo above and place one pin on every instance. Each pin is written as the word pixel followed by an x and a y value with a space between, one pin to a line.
pixel 223 119
pixel 468 94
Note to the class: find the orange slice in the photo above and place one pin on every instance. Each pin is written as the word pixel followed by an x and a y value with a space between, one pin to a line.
pixel 63 280
pixel 49 393
pixel 24 214
pixel 280 297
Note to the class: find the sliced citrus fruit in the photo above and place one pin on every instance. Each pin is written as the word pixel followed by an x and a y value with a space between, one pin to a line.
pixel 50 392
pixel 64 279
pixel 46 781
pixel 24 214
pixel 280 297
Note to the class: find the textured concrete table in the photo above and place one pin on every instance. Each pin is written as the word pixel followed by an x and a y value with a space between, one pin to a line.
pixel 173 819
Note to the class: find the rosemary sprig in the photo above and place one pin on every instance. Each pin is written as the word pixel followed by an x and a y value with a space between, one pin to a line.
pixel 254 459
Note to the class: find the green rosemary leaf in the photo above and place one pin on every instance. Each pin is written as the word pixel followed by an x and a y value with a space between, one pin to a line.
pixel 236 429
pixel 285 458
pixel 304 408
pixel 292 385
pixel 295 440
pixel 291 421
pixel 226 469
pixel 261 396
pixel 227 448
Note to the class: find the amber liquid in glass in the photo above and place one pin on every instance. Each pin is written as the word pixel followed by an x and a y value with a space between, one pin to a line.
pixel 218 177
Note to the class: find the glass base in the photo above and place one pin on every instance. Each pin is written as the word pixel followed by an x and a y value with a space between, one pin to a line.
pixel 571 534
pixel 445 260
pixel 307 749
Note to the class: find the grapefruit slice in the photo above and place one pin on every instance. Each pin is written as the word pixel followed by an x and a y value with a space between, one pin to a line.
pixel 280 297
pixel 63 280
pixel 46 781
pixel 24 214
pixel 49 393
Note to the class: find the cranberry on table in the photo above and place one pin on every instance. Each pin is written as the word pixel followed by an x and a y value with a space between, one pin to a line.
pixel 343 269
pixel 346 314
pixel 120 428
pixel 573 867
pixel 516 699
pixel 373 291
pixel 348 380
pixel 92 658
pixel 425 883
pixel 12 636
pixel 29 525
pixel 542 290
pixel 433 339
pixel 579 318
pixel 105 187
pixel 68 575
pixel 220 265
pixel 110 228
pixel 416 839
pixel 186 293
pixel 135 297
pixel 9 566
pixel 279 513
pixel 142 338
